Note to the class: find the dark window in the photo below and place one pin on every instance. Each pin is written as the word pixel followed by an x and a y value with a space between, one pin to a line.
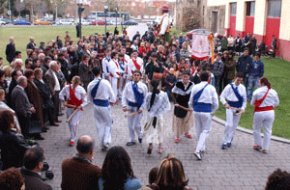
pixel 274 8
pixel 233 7
pixel 250 8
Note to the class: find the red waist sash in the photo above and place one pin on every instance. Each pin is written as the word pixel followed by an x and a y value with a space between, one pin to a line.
pixel 266 108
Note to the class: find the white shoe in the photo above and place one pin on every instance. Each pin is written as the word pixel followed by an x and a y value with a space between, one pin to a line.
pixel 197 155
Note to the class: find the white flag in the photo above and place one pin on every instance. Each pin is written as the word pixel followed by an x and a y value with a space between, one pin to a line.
pixel 200 48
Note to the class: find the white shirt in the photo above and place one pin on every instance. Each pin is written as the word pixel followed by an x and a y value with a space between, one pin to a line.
pixel 208 95
pixel 114 68
pixel 104 92
pixel 160 106
pixel 165 23
pixel 105 66
pixel 57 85
pixel 128 94
pixel 132 67
pixel 229 95
pixel 80 94
pixel 272 98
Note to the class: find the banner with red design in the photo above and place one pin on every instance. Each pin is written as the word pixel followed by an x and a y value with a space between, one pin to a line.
pixel 200 48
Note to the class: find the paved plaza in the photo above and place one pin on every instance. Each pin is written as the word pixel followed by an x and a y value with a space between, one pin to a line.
pixel 239 167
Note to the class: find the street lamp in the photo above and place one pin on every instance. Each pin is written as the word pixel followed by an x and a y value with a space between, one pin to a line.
pixel 80 10
pixel 106 8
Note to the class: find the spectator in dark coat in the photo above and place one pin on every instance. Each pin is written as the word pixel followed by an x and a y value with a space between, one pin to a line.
pixel 10 50
pixel 21 105
pixel 12 143
pixel 32 165
pixel 243 65
pixel 79 172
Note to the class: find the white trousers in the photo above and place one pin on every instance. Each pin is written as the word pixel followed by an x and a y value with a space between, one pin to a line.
pixel 134 125
pixel 104 123
pixel 74 122
pixel 114 83
pixel 202 128
pixel 232 122
pixel 263 120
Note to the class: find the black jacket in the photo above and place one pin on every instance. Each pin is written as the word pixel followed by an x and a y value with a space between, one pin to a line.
pixel 13 147
pixel 33 181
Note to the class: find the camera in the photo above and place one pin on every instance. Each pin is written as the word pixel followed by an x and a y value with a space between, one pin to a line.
pixel 46 173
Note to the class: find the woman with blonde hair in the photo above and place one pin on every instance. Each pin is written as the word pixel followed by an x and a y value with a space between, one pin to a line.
pixel 75 98
pixel 170 176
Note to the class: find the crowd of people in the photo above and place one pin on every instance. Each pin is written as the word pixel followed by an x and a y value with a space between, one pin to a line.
pixel 144 75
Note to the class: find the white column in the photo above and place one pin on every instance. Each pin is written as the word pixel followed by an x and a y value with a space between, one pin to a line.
pixel 260 17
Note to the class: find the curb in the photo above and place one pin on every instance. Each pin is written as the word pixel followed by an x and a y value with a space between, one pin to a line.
pixel 248 131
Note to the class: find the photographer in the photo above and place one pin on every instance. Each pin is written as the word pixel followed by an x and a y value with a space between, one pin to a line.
pixel 32 166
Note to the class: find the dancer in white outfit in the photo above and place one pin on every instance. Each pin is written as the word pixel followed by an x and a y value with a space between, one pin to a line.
pixel 101 94
pixel 115 74
pixel 204 101
pixel 234 98
pixel 75 98
pixel 265 100
pixel 133 97
pixel 156 103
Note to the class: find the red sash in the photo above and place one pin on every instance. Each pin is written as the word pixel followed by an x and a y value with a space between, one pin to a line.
pixel 260 101
pixel 138 67
pixel 73 99
pixel 118 73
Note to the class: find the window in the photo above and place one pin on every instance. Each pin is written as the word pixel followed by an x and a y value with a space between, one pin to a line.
pixel 250 8
pixel 233 7
pixel 274 8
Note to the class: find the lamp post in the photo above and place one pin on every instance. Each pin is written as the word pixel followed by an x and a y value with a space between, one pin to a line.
pixel 80 10
pixel 106 8
pixel 116 12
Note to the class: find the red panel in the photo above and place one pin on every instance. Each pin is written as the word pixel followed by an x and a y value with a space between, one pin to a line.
pixel 284 49
pixel 272 28
pixel 259 38
pixel 232 29
pixel 249 28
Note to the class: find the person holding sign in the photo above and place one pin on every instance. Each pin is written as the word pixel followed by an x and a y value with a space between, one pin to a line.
pixel 234 98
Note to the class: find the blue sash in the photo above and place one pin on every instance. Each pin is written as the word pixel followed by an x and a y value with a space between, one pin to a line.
pixel 239 103
pixel 98 102
pixel 139 97
pixel 200 106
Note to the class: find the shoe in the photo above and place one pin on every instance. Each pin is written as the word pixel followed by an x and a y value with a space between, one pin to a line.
pixel 177 140
pixel 229 145
pixel 264 151
pixel 130 143
pixel 160 150
pixel 44 130
pixel 197 155
pixel 188 135
pixel 71 143
pixel 140 140
pixel 257 147
pixel 60 114
pixel 224 146
pixel 149 150
pixel 54 124
pixel 38 137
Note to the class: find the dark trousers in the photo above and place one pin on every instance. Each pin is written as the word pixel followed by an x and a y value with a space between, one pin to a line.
pixel 56 103
pixel 24 122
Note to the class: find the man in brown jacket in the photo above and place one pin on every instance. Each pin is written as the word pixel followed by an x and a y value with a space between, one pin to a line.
pixel 78 173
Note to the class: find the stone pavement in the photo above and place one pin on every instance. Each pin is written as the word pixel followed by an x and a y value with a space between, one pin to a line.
pixel 239 167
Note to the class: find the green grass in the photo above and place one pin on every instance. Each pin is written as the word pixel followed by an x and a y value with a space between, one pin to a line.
pixel 41 33
pixel 277 71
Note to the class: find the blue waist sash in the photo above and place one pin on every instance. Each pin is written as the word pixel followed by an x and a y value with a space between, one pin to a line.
pixel 102 103
pixel 202 107
pixel 133 104
pixel 236 104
